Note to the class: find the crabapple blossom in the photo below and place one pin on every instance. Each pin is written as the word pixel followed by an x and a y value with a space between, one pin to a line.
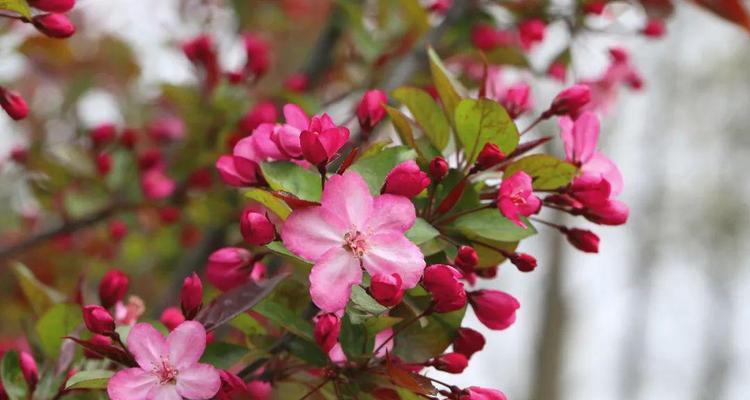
pixel 468 341
pixel 171 317
pixel 349 231
pixel 406 179
pixel 479 393
pixel 168 368
pixel 13 103
pixel 442 281
pixel 29 369
pixel 157 185
pixel 453 363
pixel 523 261
pixel 386 289
pixel 54 25
pixel 98 320
pixel 582 239
pixel 438 168
pixel 326 331
pixel 488 157
pixel 256 228
pixel 569 101
pixel 370 110
pixel 112 287
pixel 515 198
pixel 230 267
pixel 103 134
pixel 191 296
pixel 495 309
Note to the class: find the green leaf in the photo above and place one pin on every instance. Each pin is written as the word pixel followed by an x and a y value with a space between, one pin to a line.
pixel 548 172
pixel 363 306
pixel 376 325
pixel 490 224
pixel 421 232
pixel 307 351
pixel 354 339
pixel 487 256
pixel 416 15
pixel 290 177
pixel 247 324
pixel 427 113
pixel 374 168
pixel 447 87
pixel 12 377
pixel 483 121
pixel 19 6
pixel 40 296
pixel 223 355
pixel 58 321
pixel 279 248
pixel 271 202
pixel 285 318
pixel 507 56
pixel 421 341
pixel 93 379
pixel 403 128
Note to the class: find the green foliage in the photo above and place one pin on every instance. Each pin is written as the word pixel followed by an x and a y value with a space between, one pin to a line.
pixel 483 121
pixel 19 6
pixel 354 338
pixel 286 318
pixel 427 113
pixel 375 167
pixel 403 128
pixel 91 379
pixel 363 306
pixel 290 177
pixel 429 336
pixel 421 232
pixel 447 87
pixel 271 202
pixel 12 377
pixel 490 224
pixel 40 296
pixel 307 351
pixel 548 172
pixel 223 355
pixel 58 321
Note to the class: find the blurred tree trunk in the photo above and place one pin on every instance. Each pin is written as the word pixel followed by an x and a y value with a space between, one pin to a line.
pixel 546 382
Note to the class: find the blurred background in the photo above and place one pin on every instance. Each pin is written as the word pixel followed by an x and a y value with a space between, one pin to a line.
pixel 661 312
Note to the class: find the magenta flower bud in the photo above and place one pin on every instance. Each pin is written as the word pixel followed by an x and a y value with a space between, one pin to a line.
pixel 438 168
pixel 258 54
pixel 102 134
pixel 98 320
pixel 19 154
pixel 523 261
pixel 495 309
pixel 199 49
pixel 490 156
pixel 166 129
pixel 103 162
pixel 232 387
pixel 256 229
pixel 612 212
pixel 156 185
pixel 468 341
pixel 326 332
pixel 54 25
pixel 442 281
pixel 582 239
pixel 466 258
pixel 128 138
pixel 486 273
pixel 569 101
pixel 171 317
pixel 479 393
pixel 237 174
pixel 112 287
pixel 517 100
pixel 452 363
pixel 29 369
pixel 370 110
pixel 191 296
pixel 262 112
pixel 531 32
pixel 13 104
pixel 56 6
pixel 229 267
pixel 655 28
pixel 484 36
pixel 297 82
pixel 117 230
pixel 406 179
pixel 557 71
pixel 386 289
pixel 98 341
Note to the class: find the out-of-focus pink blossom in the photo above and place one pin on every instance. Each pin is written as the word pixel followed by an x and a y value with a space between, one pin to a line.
pixel 171 317
pixel 468 341
pixel 516 198
pixel 523 261
pixel 297 82
pixel 168 368
pixel 103 162
pixel 103 134
pixel 582 239
pixel 29 369
pixel 166 129
pixel 262 112
pixel 371 110
pixel 517 100
pixel 128 313
pixel 349 231
pixel 156 185
pixel 112 287
pixel 557 70
pixel 531 32
pixel 569 101
pixel 654 28
pixel 258 52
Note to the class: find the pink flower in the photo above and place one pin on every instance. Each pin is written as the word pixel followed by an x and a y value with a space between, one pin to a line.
pixel 338 356
pixel 448 293
pixel 439 168
pixel 256 229
pixel 230 267
pixel 582 239
pixel 516 198
pixel 166 129
pixel 258 52
pixel 612 212
pixel 172 317
pixel 406 179
pixel 128 313
pixel 156 185
pixel 29 369
pixel 452 363
pixel 168 368
pixel 517 99
pixel 478 393
pixel 262 112
pixel 191 296
pixel 579 137
pixel 569 101
pixel 349 231
pixel 531 32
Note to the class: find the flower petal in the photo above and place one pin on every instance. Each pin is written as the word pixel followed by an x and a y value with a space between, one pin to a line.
pixel 163 392
pixel 380 338
pixel 585 136
pixel 131 384
pixel 199 382
pixel 391 212
pixel 311 231
pixel 347 195
pixel 295 116
pixel 604 167
pixel 332 277
pixel 566 134
pixel 147 345
pixel 391 252
pixel 186 344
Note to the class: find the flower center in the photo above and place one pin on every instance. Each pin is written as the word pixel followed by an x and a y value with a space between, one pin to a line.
pixel 518 199
pixel 165 371
pixel 356 242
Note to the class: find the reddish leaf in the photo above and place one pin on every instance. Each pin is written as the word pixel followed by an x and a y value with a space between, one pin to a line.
pixel 409 380
pixel 348 161
pixel 452 198
pixel 294 202
pixel 115 354
pixel 732 10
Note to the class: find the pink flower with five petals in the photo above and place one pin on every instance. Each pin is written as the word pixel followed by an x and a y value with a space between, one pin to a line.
pixel 352 230
pixel 516 198
pixel 168 369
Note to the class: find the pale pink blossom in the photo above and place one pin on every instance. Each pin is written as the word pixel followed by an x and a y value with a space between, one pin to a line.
pixel 157 185
pixel 168 368
pixel 128 314
pixel 352 230
pixel 516 198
